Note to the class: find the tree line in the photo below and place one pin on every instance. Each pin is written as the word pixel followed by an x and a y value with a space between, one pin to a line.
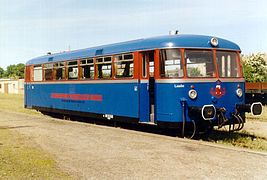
pixel 254 68
pixel 14 71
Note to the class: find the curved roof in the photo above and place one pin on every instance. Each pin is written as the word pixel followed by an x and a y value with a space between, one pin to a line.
pixel 179 41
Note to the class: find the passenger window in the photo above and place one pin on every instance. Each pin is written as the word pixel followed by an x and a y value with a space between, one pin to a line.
pixel 104 67
pixel 72 69
pixel 87 68
pixel 59 71
pixel 151 68
pixel 124 65
pixel 48 69
pixel 144 69
pixel 170 63
pixel 37 73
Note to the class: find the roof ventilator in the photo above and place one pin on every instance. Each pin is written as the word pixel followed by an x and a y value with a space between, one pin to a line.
pixel 173 32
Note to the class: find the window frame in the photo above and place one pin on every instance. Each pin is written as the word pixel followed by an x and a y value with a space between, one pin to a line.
pixel 103 62
pixel 213 61
pixel 181 63
pixel 67 66
pixel 40 66
pixel 238 63
pixel 123 60
pixel 59 66
pixel 45 68
pixel 92 64
pixel 144 68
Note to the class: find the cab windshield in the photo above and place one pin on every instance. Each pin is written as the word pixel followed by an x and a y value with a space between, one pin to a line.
pixel 199 63
pixel 228 65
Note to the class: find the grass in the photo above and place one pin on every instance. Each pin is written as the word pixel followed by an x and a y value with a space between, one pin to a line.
pixel 19 159
pixel 240 139
pixel 263 116
pixel 14 103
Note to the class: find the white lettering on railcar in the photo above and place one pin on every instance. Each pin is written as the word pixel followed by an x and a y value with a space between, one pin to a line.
pixel 108 116
pixel 178 86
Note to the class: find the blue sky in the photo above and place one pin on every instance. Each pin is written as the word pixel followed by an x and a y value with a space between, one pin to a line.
pixel 31 28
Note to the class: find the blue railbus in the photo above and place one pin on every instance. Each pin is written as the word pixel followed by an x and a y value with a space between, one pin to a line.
pixel 174 81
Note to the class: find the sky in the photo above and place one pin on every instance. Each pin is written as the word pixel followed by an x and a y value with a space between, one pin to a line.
pixel 31 28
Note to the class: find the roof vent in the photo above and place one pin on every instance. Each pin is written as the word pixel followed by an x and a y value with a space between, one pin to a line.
pixel 173 32
pixel 99 52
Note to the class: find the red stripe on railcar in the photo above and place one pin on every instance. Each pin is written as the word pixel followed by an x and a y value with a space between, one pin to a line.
pixel 84 97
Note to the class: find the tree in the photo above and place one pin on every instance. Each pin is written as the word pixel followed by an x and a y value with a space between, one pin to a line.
pixel 194 72
pixel 10 71
pixel 2 71
pixel 15 71
pixel 20 70
pixel 255 68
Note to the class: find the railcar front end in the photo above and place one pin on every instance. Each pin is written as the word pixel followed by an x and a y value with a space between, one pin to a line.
pixel 205 88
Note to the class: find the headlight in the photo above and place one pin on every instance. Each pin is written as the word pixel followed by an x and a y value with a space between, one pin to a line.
pixel 192 94
pixel 214 41
pixel 208 112
pixel 239 92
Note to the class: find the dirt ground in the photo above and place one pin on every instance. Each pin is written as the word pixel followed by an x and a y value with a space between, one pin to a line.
pixel 256 127
pixel 101 152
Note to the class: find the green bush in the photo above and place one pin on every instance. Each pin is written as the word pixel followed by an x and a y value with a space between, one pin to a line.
pixel 254 67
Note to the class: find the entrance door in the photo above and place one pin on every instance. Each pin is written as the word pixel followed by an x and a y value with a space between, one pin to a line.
pixel 6 88
pixel 27 95
pixel 147 84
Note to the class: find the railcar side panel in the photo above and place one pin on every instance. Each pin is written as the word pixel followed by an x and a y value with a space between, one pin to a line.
pixel 120 99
